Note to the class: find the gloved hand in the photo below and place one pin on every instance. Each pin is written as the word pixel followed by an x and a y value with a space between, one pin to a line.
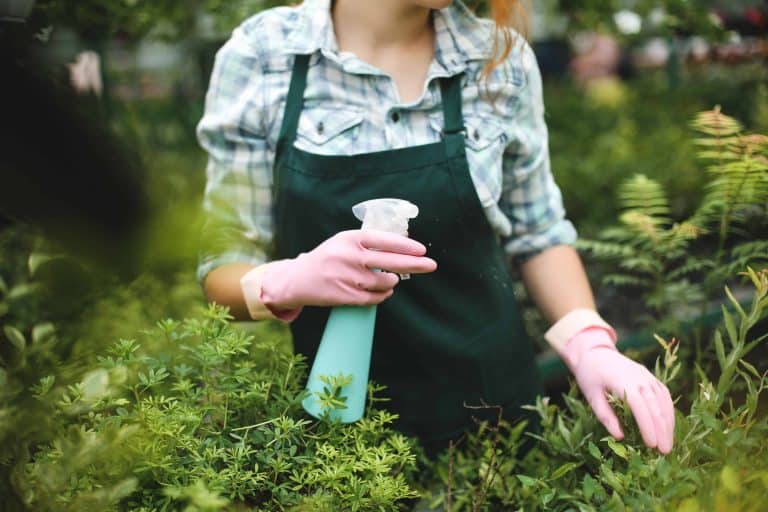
pixel 599 367
pixel 339 271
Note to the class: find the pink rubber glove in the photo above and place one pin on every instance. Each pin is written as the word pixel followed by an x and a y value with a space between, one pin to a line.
pixel 339 271
pixel 599 367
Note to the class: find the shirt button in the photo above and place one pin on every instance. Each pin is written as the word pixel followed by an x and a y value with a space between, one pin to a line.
pixel 320 128
pixel 395 116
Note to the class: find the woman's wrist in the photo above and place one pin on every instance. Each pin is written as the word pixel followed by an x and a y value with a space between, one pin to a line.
pixel 590 338
pixel 261 299
pixel 577 331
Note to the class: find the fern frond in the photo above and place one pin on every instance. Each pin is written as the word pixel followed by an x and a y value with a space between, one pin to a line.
pixel 715 142
pixel 618 234
pixel 746 254
pixel 604 250
pixel 724 154
pixel 708 211
pixel 689 267
pixel 737 185
pixel 645 195
pixel 680 292
pixel 749 249
pixel 755 143
pixel 626 280
pixel 716 124
pixel 687 230
pixel 641 264
pixel 642 224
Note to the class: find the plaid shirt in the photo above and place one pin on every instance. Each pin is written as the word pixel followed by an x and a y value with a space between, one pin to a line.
pixel 352 107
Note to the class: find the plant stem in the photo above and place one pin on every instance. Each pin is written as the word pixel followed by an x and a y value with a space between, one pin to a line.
pixel 449 497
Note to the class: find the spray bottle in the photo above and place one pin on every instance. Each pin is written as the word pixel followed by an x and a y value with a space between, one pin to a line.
pixel 347 341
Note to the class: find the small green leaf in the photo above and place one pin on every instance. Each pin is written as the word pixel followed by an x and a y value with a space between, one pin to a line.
pixel 618 448
pixel 563 430
pixel 562 470
pixel 588 486
pixel 15 337
pixel 689 505
pixel 123 488
pixel 720 349
pixel 42 332
pixel 595 451
pixel 730 327
pixel 548 496
pixel 23 290
pixel 730 479
pixel 751 369
pixel 38 259
pixel 661 341
pixel 44 386
pixel 526 480
pixel 735 303
pixel 95 384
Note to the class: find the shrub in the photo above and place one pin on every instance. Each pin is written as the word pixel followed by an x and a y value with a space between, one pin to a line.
pixel 719 461
pixel 216 419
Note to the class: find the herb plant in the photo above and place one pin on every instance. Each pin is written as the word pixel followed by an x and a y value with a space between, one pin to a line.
pixel 217 421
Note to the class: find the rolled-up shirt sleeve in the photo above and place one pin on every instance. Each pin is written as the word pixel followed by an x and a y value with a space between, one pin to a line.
pixel 237 199
pixel 530 198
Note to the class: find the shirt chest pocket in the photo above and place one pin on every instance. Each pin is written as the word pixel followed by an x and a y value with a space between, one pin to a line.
pixel 485 140
pixel 329 130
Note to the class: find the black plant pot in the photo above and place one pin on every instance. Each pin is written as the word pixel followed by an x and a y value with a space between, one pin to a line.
pixel 15 10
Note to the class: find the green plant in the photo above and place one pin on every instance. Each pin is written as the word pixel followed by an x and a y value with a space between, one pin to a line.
pixel 215 420
pixel 719 460
pixel 97 20
pixel 738 165
pixel 657 256
pixel 660 17
pixel 647 134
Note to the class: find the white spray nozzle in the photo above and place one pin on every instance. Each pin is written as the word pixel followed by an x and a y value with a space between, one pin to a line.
pixel 386 214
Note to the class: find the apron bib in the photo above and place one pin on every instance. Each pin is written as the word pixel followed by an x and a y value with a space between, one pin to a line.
pixel 445 340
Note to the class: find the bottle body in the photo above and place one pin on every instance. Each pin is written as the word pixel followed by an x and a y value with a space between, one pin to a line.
pixel 345 348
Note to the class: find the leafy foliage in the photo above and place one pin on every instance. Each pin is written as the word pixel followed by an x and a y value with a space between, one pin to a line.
pixel 99 19
pixel 215 421
pixel 738 165
pixel 657 256
pixel 719 461
pixel 659 17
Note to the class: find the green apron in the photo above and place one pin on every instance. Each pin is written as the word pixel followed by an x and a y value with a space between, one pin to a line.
pixel 445 340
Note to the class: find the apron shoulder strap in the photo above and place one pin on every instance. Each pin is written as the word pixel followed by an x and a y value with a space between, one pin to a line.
pixel 295 101
pixel 450 92
pixel 453 119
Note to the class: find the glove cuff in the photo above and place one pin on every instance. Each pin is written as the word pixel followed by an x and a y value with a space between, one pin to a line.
pixel 571 324
pixel 584 343
pixel 257 294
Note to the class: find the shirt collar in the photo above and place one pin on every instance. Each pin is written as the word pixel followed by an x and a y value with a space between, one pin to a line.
pixel 459 35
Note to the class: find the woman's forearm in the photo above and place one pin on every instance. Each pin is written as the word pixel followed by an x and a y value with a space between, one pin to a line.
pixel 556 282
pixel 222 285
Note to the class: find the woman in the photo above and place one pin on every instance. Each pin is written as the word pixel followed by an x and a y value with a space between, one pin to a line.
pixel 312 109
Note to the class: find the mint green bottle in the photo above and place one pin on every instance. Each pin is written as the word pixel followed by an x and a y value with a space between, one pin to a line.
pixel 347 341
